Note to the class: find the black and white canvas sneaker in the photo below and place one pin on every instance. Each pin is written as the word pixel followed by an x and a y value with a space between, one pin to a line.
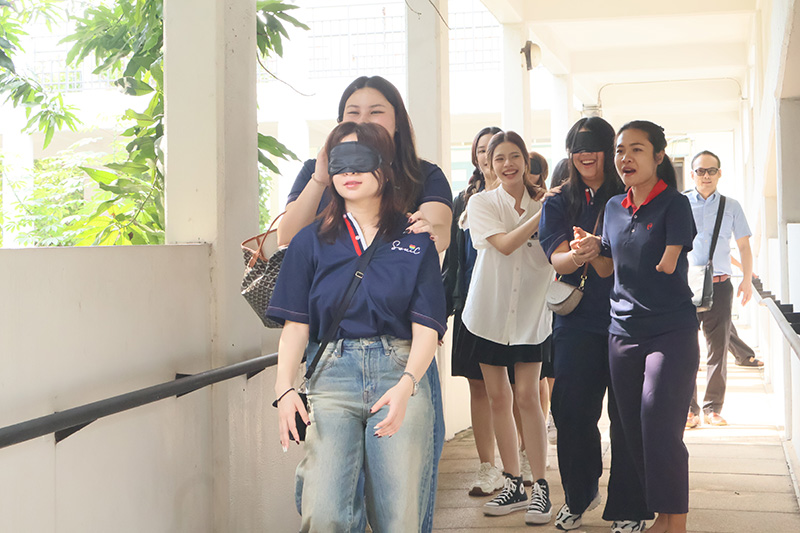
pixel 567 521
pixel 511 498
pixel 539 509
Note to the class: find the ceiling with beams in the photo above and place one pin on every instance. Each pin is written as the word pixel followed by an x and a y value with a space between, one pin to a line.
pixel 684 63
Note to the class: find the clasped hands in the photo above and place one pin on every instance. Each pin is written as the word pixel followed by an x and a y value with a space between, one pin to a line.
pixel 584 246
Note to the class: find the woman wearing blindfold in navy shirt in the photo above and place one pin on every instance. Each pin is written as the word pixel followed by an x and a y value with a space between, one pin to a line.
pixel 371 382
pixel 422 186
pixel 580 341
pixel 653 349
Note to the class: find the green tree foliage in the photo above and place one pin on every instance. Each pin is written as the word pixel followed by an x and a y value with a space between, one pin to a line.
pixel 125 39
pixel 45 111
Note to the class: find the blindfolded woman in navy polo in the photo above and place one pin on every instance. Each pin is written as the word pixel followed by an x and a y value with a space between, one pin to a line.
pixel 364 389
pixel 580 340
pixel 422 185
pixel 653 349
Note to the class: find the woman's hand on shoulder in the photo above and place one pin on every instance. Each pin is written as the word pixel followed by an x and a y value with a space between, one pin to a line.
pixel 417 223
pixel 553 192
pixel 287 407
pixel 397 399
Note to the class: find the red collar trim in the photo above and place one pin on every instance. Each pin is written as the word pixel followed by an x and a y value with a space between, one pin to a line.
pixel 627 202
pixel 352 232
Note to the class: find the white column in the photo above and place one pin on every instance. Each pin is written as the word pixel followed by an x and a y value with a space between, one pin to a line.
pixel 212 194
pixel 516 82
pixel 561 115
pixel 428 102
pixel 788 136
pixel 428 80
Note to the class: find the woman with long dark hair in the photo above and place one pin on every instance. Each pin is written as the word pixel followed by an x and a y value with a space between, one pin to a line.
pixel 506 322
pixel 580 340
pixel 653 348
pixel 365 412
pixel 457 272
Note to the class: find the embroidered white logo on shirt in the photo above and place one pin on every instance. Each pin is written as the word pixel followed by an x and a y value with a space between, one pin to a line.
pixel 412 248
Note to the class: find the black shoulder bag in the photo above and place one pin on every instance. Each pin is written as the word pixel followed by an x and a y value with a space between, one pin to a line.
pixel 701 277
pixel 361 266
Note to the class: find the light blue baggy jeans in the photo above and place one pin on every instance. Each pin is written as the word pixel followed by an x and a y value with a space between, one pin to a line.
pixel 397 471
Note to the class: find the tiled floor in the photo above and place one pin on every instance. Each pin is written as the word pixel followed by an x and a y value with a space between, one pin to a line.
pixel 739 478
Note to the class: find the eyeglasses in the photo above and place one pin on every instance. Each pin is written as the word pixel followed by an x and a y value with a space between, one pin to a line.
pixel 702 171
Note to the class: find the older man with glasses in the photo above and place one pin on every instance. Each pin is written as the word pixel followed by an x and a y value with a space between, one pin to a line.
pixel 716 322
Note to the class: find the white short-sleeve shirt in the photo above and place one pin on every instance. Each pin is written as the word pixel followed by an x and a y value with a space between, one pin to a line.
pixel 506 297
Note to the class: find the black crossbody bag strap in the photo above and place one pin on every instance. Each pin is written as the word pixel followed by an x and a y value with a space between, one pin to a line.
pixel 717 225
pixel 361 266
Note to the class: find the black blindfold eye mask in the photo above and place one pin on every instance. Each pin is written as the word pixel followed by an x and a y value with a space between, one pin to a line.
pixel 536 167
pixel 586 141
pixel 352 157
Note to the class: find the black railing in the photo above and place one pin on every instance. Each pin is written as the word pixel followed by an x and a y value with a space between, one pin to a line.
pixel 65 423
pixel 786 319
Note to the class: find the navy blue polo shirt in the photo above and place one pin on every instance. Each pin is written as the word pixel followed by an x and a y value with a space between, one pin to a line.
pixel 645 302
pixel 402 284
pixel 435 187
pixel 593 311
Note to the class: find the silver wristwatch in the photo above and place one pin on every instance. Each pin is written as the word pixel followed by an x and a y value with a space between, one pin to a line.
pixel 414 380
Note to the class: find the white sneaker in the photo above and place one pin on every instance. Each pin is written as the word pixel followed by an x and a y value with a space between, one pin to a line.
pixel 488 480
pixel 628 526
pixel 525 469
pixel 567 521
pixel 552 432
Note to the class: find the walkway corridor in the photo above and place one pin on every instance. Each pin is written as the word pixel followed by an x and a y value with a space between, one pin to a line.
pixel 739 478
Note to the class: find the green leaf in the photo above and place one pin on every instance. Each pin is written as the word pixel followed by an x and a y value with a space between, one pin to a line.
pixel 132 86
pixel 292 20
pixel 48 136
pixel 129 167
pixel 6 62
pixel 4 43
pixel 264 160
pixel 275 147
pixel 100 176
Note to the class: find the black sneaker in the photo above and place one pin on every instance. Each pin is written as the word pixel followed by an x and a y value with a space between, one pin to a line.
pixel 511 498
pixel 539 509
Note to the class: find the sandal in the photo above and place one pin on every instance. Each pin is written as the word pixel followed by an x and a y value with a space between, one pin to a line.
pixel 750 361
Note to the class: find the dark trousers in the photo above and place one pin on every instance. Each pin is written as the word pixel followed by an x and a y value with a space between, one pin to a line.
pixel 652 379
pixel 581 380
pixel 740 350
pixel 716 324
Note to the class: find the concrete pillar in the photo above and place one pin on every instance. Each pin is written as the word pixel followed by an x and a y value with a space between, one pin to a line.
pixel 212 194
pixel 516 83
pixel 561 115
pixel 788 136
pixel 428 102
pixel 428 79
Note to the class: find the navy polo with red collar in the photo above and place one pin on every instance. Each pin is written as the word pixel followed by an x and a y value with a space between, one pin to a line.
pixel 645 302
pixel 402 284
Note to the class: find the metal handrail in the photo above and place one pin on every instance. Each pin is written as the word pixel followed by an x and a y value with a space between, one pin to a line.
pixel 65 423
pixel 791 336
pixel 768 300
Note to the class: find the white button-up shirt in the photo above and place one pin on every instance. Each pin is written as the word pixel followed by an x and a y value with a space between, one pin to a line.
pixel 506 297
